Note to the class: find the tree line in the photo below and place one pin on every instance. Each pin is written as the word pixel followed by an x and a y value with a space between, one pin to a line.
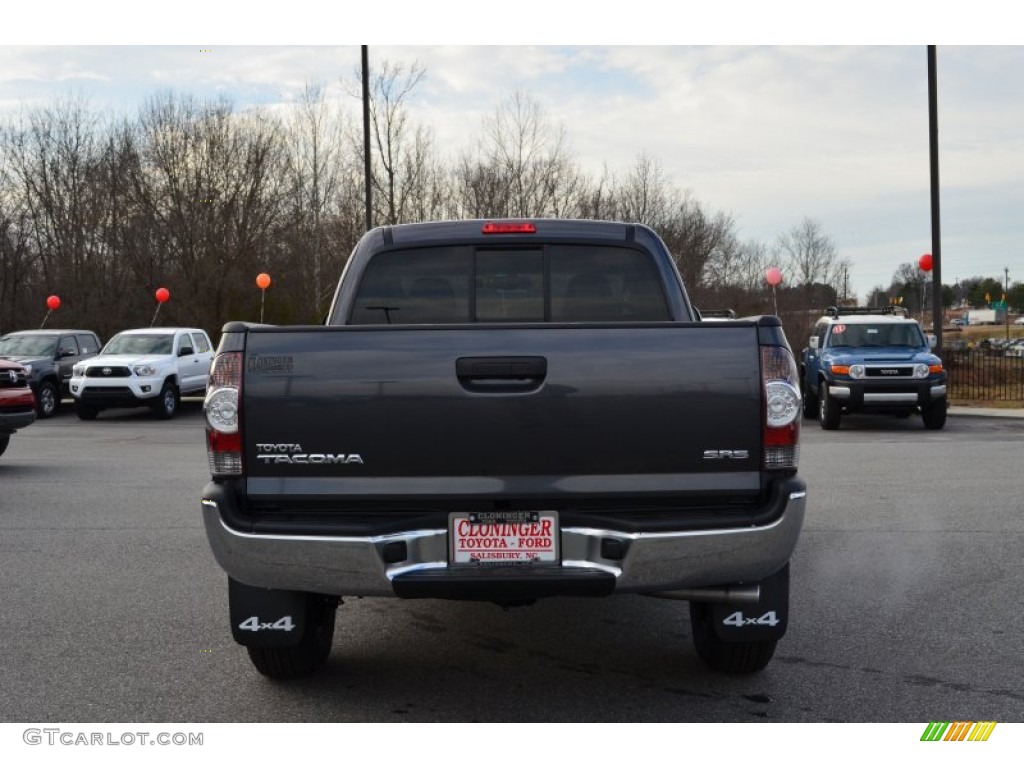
pixel 199 197
pixel 912 289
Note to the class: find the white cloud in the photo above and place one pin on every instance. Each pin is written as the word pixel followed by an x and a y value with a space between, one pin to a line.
pixel 768 134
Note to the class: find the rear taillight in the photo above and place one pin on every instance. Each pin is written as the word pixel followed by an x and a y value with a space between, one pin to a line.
pixel 782 407
pixel 223 415
pixel 509 228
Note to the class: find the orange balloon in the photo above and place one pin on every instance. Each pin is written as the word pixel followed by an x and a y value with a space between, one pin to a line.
pixel 263 281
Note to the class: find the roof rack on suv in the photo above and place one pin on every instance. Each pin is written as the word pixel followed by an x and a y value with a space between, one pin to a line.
pixel 891 309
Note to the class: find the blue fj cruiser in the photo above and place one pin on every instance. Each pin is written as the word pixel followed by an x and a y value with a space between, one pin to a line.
pixel 871 359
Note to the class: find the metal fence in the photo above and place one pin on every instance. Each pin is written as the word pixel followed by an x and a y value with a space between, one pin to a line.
pixel 981 374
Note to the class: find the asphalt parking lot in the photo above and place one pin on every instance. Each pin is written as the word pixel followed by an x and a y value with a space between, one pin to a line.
pixel 906 584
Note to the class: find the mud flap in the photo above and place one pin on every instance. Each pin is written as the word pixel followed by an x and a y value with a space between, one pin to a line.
pixel 266 618
pixel 765 620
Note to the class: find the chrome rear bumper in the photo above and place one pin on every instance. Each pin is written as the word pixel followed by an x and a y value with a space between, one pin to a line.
pixel 648 562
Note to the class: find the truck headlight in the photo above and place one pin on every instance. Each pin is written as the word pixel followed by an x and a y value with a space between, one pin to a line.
pixel 78 371
pixel 857 371
pixel 27 367
pixel 145 370
pixel 920 371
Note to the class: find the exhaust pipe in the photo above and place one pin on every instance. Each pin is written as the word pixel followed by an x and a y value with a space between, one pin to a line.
pixel 745 594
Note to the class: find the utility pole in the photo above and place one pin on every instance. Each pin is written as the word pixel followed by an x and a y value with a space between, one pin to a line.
pixel 933 141
pixel 1006 305
pixel 366 137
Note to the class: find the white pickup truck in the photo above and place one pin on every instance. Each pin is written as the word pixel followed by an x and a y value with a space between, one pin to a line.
pixel 144 366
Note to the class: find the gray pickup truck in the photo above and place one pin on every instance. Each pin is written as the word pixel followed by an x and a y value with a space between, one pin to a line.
pixel 505 411
pixel 49 355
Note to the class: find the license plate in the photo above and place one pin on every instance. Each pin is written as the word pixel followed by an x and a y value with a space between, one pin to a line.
pixel 503 538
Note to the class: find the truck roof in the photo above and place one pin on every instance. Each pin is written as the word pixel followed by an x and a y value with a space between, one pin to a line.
pixel 476 229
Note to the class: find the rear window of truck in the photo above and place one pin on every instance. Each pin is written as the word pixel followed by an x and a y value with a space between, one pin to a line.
pixel 550 283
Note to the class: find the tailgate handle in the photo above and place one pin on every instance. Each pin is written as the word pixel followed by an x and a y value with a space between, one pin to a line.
pixel 511 370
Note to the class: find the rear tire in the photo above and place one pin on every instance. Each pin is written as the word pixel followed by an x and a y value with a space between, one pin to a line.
pixel 85 412
pixel 312 650
pixel 47 400
pixel 934 416
pixel 735 658
pixel 810 404
pixel 829 410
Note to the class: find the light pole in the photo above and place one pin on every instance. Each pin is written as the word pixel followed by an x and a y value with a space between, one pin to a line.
pixel 933 147
pixel 366 136
pixel 1006 305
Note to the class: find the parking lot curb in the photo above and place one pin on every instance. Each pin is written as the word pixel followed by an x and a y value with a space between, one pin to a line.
pixel 995 413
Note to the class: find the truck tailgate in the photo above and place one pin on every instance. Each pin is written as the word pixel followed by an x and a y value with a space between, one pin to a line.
pixel 498 412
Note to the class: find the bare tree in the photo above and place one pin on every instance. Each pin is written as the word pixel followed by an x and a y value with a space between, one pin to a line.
pixel 596 198
pixel 878 297
pixel 479 189
pixel 200 198
pixel 645 196
pixel 704 244
pixel 738 267
pixel 810 257
pixel 403 152
pixel 316 165
pixel 209 182
pixel 908 287
pixel 57 167
pixel 523 166
pixel 18 274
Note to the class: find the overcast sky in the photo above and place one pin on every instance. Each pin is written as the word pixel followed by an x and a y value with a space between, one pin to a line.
pixel 768 134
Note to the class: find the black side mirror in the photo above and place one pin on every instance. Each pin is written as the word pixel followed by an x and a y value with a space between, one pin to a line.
pixel 185 352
